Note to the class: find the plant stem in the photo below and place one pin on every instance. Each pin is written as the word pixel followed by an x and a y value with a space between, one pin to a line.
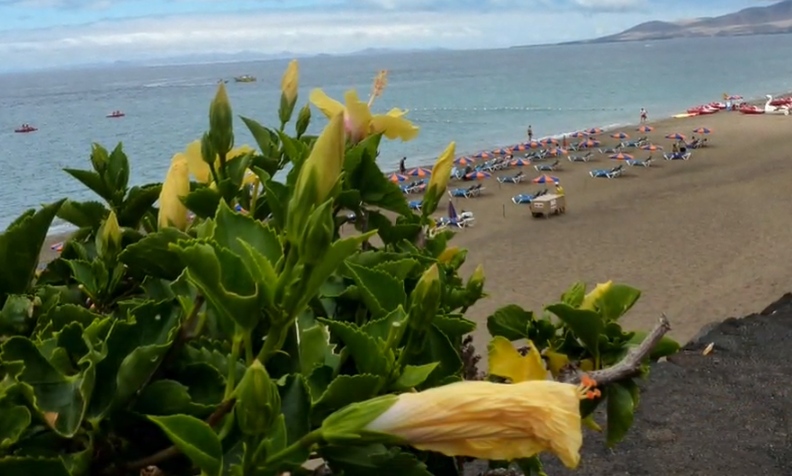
pixel 305 442
pixel 214 173
pixel 254 197
pixel 223 165
pixel 274 341
pixel 248 349
pixel 232 362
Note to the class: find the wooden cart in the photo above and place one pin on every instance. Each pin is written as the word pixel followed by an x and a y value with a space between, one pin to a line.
pixel 547 205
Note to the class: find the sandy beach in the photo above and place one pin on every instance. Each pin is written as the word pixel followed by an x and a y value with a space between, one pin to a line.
pixel 704 239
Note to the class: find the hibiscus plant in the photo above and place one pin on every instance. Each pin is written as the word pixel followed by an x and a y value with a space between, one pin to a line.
pixel 283 308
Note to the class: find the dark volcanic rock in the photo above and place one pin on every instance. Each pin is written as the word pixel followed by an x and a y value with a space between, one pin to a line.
pixel 727 413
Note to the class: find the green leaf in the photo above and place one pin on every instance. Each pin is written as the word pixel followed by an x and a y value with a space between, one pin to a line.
pixel 585 325
pixel 454 326
pixel 261 135
pixel 237 167
pixel 93 181
pixel 134 351
pixel 234 230
pixel 152 256
pixel 224 280
pixel 369 357
pixel 617 301
pixel 15 314
pixel 30 466
pixel 373 460
pixel 375 188
pixel 20 246
pixel 61 316
pixel 342 391
pixel 438 348
pixel 575 294
pixel 203 202
pixel 621 410
pixel 195 439
pixel 381 292
pixel 16 418
pixel 117 174
pixel 381 328
pixel 277 197
pixel 667 346
pixel 401 269
pixel 168 397
pixel 413 376
pixel 139 201
pixel 61 399
pixel 315 348
pixel 83 214
pixel 295 406
pixel 532 466
pixel 511 322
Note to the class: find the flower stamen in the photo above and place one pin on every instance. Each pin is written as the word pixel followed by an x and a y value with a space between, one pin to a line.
pixel 380 81
pixel 587 390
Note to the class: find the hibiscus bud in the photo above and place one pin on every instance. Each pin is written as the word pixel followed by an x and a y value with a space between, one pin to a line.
pixel 257 401
pixel 289 85
pixel 318 234
pixel 221 122
pixel 172 211
pixel 425 299
pixel 99 158
pixel 303 120
pixel 108 240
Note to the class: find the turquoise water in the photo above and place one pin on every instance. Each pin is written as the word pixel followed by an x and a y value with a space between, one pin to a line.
pixel 478 98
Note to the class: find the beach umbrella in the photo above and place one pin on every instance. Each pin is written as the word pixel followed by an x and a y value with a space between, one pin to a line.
pixel 675 136
pixel 588 143
pixel 702 130
pixel 594 131
pixel 544 178
pixel 477 175
pixel 548 141
pixel 483 155
pixel 396 178
pixel 502 151
pixel 578 135
pixel 452 214
pixel 420 172
pixel 645 129
pixel 620 135
pixel 651 147
pixel 556 151
pixel 622 156
pixel 520 163
pixel 464 161
pixel 532 145
pixel 57 247
pixel 735 97
pixel 518 147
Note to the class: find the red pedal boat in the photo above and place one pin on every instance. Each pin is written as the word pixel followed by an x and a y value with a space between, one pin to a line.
pixel 25 129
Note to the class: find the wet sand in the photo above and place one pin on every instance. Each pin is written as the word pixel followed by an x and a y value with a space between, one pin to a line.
pixel 704 239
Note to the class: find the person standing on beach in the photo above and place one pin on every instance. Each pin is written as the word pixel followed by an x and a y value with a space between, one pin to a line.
pixel 530 134
pixel 403 166
pixel 643 115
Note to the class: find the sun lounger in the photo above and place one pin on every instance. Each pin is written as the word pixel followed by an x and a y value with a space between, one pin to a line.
pixel 677 156
pixel 414 187
pixel 607 173
pixel 641 163
pixel 470 192
pixel 519 177
pixel 464 220
pixel 416 205
pixel 581 158
pixel 523 198
pixel 610 150
pixel 457 173
pixel 547 167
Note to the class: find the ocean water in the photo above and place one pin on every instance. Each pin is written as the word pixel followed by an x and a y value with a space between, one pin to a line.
pixel 480 99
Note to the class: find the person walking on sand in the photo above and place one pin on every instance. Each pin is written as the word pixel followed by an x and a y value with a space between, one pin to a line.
pixel 403 166
pixel 643 115
pixel 530 134
pixel 559 189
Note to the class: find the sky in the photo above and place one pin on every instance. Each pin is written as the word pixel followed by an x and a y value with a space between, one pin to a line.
pixel 52 33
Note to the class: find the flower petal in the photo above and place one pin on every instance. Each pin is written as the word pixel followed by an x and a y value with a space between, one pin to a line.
pixel 394 127
pixel 591 299
pixel 198 168
pixel 358 116
pixel 505 361
pixel 329 106
pixel 176 185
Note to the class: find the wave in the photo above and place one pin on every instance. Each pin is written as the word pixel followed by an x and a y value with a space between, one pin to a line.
pixel 516 108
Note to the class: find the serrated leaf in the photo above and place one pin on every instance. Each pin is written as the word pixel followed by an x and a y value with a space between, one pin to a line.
pixel 585 325
pixel 117 172
pixel 575 294
pixel 203 202
pixel 152 255
pixel 277 196
pixel 374 460
pixel 621 410
pixel 15 314
pixel 454 326
pixel 232 230
pixel 295 406
pixel 315 348
pixel 195 439
pixel 413 376
pixel 61 400
pixel 617 300
pixel 438 348
pixel 511 322
pixel 369 357
pixel 381 292
pixel 260 134
pixel 139 201
pixel 168 397
pixel 20 246
pixel 83 214
pixel 400 269
pixel 16 418
pixel 381 328
pixel 342 391
pixel 93 181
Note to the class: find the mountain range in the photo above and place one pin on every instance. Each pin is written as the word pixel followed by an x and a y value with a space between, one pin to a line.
pixel 771 19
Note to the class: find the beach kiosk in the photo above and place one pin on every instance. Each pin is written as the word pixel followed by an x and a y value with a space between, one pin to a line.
pixel 546 205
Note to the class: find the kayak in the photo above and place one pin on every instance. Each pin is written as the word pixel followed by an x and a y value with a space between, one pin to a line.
pixel 25 130
pixel 115 116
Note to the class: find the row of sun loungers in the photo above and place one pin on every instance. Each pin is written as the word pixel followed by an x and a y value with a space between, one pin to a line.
pixel 470 192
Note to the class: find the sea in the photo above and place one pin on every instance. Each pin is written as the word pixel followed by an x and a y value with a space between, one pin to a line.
pixel 480 99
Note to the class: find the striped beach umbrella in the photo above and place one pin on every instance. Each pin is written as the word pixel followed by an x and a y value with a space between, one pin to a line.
pixel 518 148
pixel 578 135
pixel 396 178
pixel 702 130
pixel 620 135
pixel 464 161
pixel 675 136
pixel 57 247
pixel 589 143
pixel 645 129
pixel 548 141
pixel 483 155
pixel 502 151
pixel 477 175
pixel 420 172
pixel 622 156
pixel 544 178
pixel 520 163
pixel 532 144
pixel 651 147
pixel 594 131
pixel 556 151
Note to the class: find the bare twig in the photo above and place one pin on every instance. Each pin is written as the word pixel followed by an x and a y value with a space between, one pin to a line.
pixel 172 451
pixel 630 364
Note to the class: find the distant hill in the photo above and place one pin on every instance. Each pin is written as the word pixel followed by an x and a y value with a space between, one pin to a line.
pixel 772 19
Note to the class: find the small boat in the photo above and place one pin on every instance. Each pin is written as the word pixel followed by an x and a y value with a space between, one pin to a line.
pixel 245 78
pixel 703 110
pixel 746 109
pixel 115 114
pixel 25 129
